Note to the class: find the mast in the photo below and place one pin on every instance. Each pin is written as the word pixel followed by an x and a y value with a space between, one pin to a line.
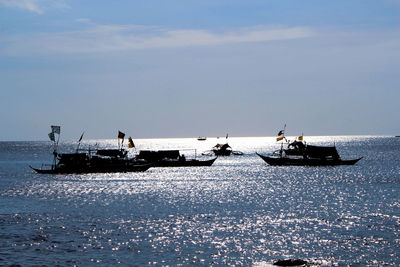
pixel 281 137
pixel 55 130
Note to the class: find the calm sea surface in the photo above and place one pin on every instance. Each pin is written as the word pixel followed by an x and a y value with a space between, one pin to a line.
pixel 240 211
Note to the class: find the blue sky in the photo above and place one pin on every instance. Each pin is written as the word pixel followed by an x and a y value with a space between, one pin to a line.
pixel 190 68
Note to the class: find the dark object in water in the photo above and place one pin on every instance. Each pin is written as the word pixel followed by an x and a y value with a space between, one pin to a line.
pixel 202 138
pixel 90 161
pixel 300 154
pixel 100 161
pixel 290 262
pixel 171 158
pixel 222 150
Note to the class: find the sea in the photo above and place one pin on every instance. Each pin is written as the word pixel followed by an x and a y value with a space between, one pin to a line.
pixel 238 212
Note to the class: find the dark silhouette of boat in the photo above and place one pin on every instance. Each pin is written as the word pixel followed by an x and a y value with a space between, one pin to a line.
pixel 91 161
pixel 202 138
pixel 171 158
pixel 222 150
pixel 100 161
pixel 301 154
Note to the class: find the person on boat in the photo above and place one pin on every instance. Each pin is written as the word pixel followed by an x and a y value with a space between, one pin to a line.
pixel 182 158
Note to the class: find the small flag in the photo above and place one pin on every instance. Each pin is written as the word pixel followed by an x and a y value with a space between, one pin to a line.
pixel 121 135
pixel 130 143
pixel 51 136
pixel 280 138
pixel 80 139
pixel 300 138
pixel 55 129
pixel 280 132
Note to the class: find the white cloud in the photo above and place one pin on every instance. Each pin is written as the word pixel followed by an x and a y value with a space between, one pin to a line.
pixel 106 38
pixel 30 5
pixel 36 6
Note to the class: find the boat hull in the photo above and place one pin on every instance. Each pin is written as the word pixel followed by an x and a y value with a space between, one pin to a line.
pixel 97 169
pixel 184 163
pixel 282 161
pixel 224 153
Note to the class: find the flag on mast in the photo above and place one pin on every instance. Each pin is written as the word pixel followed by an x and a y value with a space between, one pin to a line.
pixel 130 143
pixel 121 135
pixel 281 134
pixel 55 129
pixel 51 136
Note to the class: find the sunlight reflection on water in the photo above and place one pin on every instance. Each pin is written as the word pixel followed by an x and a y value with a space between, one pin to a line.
pixel 239 211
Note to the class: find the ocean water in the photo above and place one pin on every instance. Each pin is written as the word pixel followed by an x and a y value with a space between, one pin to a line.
pixel 240 211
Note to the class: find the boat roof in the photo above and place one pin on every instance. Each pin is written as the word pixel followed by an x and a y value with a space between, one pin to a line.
pixel 155 155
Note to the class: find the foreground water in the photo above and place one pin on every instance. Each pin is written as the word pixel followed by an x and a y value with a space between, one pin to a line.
pixel 240 211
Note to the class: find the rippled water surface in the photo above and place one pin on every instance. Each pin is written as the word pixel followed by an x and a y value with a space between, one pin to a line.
pixel 240 211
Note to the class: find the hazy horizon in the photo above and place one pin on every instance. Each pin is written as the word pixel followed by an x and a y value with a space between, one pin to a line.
pixel 219 138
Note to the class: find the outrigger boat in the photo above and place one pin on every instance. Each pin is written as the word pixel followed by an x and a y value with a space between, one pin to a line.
pixel 171 158
pixel 306 161
pixel 83 163
pixel 97 161
pixel 299 153
pixel 222 150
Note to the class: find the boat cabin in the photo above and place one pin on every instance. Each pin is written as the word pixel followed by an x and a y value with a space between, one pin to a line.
pixel 154 156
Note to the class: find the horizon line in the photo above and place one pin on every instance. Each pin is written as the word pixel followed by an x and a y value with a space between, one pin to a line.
pixel 211 137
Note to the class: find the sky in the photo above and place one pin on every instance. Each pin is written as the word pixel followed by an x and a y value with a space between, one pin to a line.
pixel 188 68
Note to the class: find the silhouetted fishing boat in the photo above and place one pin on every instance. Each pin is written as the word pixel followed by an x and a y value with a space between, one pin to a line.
pixel 91 161
pixel 171 158
pixel 222 150
pixel 298 153
pixel 100 161
pixel 202 138
pixel 301 154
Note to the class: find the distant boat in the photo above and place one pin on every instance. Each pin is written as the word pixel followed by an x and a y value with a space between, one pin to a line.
pixel 170 158
pixel 222 150
pixel 300 154
pixel 202 138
